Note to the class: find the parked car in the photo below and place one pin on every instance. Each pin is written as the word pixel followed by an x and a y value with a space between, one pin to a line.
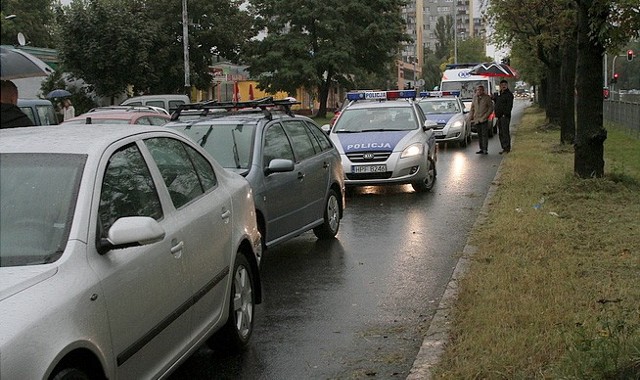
pixel 169 102
pixel 447 110
pixel 384 138
pixel 293 168
pixel 40 111
pixel 122 250
pixel 143 115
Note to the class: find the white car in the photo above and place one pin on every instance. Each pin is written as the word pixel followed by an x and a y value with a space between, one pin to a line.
pixel 122 249
pixel 384 138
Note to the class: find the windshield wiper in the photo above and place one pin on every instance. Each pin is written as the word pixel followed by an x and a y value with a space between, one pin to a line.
pixel 236 156
pixel 204 138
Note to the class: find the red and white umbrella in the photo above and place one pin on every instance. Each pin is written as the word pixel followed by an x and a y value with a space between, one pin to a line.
pixel 494 69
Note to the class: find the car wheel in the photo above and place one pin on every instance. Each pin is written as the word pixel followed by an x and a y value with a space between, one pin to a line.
pixel 235 334
pixel 463 143
pixel 329 228
pixel 70 374
pixel 429 180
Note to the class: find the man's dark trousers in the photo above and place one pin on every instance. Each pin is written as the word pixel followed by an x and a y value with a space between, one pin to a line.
pixel 483 135
pixel 503 133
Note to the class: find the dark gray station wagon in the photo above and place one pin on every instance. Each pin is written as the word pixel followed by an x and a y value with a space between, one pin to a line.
pixel 293 168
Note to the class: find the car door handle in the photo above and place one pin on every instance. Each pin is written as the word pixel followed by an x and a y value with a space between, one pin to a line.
pixel 225 214
pixel 326 165
pixel 300 176
pixel 177 247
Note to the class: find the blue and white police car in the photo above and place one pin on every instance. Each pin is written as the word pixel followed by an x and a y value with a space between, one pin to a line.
pixel 447 110
pixel 384 138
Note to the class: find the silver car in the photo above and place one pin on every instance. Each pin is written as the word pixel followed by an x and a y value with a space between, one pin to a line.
pixel 122 249
pixel 292 166
pixel 447 110
pixel 384 138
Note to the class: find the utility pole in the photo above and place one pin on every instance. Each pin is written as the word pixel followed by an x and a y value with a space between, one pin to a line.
pixel 455 31
pixel 185 47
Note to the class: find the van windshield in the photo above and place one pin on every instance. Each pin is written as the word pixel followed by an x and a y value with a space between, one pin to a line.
pixel 466 87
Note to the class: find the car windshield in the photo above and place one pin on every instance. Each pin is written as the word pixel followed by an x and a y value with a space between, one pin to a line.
pixel 375 119
pixel 38 194
pixel 230 144
pixel 467 88
pixel 440 106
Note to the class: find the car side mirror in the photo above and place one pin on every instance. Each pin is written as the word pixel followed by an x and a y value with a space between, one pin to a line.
pixel 429 124
pixel 326 128
pixel 279 165
pixel 131 231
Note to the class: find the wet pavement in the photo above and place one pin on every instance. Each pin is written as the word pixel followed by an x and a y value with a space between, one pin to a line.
pixel 358 306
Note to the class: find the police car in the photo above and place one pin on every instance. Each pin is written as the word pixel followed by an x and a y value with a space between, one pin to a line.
pixel 447 110
pixel 384 138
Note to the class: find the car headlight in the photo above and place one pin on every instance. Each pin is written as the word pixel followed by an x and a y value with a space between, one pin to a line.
pixel 456 125
pixel 412 150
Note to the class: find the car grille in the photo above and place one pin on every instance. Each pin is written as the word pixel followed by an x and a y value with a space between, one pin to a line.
pixel 440 126
pixel 365 176
pixel 374 156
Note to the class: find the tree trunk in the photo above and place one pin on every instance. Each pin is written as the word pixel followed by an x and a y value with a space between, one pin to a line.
pixel 590 134
pixel 541 92
pixel 323 95
pixel 568 79
pixel 554 95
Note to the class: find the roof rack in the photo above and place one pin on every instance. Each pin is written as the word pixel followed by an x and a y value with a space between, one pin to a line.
pixel 130 109
pixel 263 104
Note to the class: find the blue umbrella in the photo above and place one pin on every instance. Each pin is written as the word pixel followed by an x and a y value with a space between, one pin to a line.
pixel 59 93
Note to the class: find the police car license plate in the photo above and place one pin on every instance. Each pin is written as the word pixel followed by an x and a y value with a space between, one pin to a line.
pixel 368 168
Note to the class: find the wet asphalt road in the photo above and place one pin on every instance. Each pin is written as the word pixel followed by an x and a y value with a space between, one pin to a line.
pixel 357 307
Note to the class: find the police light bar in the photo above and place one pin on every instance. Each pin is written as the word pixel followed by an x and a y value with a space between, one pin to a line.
pixel 381 95
pixel 438 94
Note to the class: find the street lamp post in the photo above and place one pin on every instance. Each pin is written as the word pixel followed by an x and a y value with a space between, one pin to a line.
pixel 185 46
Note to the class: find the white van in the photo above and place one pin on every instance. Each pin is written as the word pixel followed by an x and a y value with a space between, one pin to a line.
pixel 457 78
pixel 169 102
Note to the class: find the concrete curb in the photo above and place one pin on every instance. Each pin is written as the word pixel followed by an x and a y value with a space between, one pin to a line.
pixel 438 333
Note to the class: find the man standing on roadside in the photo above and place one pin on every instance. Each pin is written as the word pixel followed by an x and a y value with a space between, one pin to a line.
pixel 10 115
pixel 481 108
pixel 504 104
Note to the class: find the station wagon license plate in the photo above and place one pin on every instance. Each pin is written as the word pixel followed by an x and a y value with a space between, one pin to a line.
pixel 368 168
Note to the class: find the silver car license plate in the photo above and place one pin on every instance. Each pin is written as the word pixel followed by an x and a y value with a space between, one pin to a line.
pixel 368 168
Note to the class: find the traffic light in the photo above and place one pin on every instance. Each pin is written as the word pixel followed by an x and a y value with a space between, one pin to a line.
pixel 629 55
pixel 615 78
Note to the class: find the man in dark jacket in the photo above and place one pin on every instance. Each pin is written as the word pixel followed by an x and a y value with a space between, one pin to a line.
pixel 503 106
pixel 10 115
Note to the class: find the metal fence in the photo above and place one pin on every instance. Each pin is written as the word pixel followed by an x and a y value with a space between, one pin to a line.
pixel 623 113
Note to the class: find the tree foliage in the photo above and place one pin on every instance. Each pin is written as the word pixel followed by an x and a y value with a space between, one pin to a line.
pixel 599 25
pixel 33 19
pixel 114 44
pixel 313 43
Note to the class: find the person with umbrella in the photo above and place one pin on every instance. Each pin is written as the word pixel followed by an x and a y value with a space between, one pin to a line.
pixel 10 115
pixel 503 106
pixel 68 111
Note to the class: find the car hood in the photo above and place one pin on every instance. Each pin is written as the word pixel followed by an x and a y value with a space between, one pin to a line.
pixel 13 280
pixel 370 141
pixel 440 118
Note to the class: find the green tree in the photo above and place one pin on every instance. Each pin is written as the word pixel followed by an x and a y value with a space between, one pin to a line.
pixel 32 17
pixel 114 44
pixel 444 36
pixel 602 25
pixel 599 25
pixel 216 27
pixel 313 43
pixel 107 43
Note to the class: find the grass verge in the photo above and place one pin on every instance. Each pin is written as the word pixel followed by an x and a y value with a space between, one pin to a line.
pixel 553 291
